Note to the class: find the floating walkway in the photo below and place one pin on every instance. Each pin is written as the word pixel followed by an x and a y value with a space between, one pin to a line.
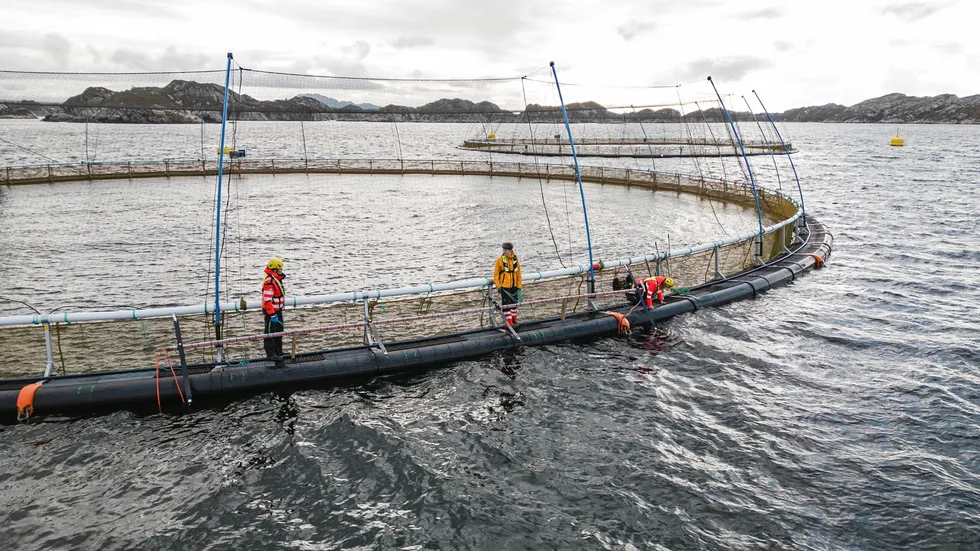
pixel 558 308
pixel 202 383
pixel 657 148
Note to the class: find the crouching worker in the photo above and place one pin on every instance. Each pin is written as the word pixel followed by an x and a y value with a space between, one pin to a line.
pixel 273 302
pixel 507 278
pixel 656 286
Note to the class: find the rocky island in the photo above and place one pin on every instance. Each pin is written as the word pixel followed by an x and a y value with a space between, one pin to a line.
pixel 188 102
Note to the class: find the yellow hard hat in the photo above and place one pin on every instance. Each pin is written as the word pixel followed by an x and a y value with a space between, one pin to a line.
pixel 275 264
pixel 669 282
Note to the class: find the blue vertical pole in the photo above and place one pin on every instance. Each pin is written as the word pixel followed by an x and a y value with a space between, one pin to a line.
pixel 788 156
pixel 578 176
pixel 758 210
pixel 217 223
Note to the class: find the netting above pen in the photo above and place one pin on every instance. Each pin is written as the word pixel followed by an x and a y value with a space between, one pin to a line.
pixel 279 122
pixel 364 183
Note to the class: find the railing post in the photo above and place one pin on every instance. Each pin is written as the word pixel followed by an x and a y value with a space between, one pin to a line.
pixel 129 169
pixel 758 251
pixel 166 168
pixel 49 174
pixel 718 274
pixel 273 167
pixel 49 366
pixel 183 361
pixel 368 339
pixel 370 332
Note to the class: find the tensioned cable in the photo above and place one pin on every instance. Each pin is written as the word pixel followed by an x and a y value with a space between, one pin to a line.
pixel 724 171
pixel 540 182
pixel 382 79
pixel 328 110
pixel 625 86
pixel 136 73
pixel 31 151
pixel 697 165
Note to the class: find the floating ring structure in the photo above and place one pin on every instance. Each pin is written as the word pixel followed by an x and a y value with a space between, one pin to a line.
pixel 346 336
pixel 640 148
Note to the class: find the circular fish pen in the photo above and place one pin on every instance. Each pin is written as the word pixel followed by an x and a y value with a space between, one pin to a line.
pixel 639 148
pixel 165 350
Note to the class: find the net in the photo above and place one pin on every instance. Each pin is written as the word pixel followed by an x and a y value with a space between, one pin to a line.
pixel 498 161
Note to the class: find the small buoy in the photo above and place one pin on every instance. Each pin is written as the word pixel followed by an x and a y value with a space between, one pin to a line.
pixel 897 141
pixel 491 136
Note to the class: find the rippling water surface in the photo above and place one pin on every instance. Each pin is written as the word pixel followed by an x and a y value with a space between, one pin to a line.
pixel 840 412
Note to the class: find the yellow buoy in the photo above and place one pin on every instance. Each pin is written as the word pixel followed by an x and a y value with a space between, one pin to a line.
pixel 491 136
pixel 897 141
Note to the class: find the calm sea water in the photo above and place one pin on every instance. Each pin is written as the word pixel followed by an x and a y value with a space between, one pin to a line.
pixel 840 412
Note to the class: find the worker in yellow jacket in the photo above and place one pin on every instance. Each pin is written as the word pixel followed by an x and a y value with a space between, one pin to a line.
pixel 507 278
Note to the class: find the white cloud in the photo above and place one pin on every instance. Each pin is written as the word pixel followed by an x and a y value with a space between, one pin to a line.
pixel 57 48
pixel 403 42
pixel 795 53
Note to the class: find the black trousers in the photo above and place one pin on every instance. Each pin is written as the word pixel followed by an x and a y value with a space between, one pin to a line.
pixel 273 345
pixel 508 295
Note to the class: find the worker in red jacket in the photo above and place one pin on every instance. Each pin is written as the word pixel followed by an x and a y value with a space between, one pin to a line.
pixel 656 286
pixel 273 302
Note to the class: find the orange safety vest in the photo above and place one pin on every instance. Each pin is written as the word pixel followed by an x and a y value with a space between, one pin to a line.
pixel 273 293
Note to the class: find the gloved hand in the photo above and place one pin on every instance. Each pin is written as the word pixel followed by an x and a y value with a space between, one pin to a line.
pixel 274 318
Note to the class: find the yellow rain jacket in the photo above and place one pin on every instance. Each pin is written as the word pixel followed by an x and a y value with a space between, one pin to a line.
pixel 507 273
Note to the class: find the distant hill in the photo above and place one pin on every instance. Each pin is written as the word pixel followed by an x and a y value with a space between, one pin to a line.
pixel 339 104
pixel 894 109
pixel 183 101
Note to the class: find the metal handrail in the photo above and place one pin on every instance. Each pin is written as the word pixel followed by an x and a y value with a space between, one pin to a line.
pixel 590 173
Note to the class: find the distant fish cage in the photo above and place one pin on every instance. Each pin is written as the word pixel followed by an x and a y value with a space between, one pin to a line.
pixel 639 148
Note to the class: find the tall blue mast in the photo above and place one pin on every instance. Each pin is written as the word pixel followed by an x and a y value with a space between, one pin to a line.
pixel 217 223
pixel 758 210
pixel 788 156
pixel 578 176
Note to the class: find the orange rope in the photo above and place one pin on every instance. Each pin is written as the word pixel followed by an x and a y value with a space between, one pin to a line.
pixel 157 375
pixel 179 391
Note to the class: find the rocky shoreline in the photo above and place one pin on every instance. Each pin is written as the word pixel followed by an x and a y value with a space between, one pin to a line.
pixel 187 102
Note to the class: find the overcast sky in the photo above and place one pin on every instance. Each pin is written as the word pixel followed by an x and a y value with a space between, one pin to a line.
pixel 794 53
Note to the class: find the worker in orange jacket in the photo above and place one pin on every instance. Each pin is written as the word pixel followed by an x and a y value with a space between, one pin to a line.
pixel 507 278
pixel 656 286
pixel 273 302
